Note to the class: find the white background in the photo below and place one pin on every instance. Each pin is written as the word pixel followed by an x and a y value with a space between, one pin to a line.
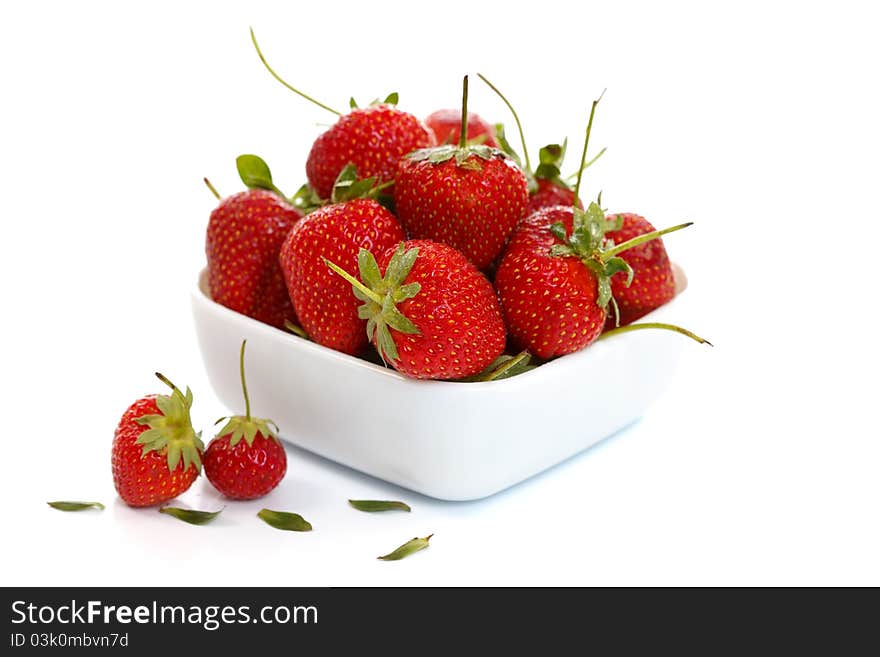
pixel 758 122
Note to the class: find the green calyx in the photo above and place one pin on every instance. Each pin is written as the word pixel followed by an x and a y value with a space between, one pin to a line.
pixel 349 187
pixel 391 99
pixel 245 426
pixel 464 150
pixel 381 296
pixel 598 253
pixel 463 155
pixel 172 429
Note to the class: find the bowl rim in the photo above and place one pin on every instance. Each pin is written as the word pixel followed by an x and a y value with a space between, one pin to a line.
pixel 201 295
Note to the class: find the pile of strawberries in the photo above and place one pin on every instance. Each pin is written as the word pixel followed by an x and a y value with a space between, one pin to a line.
pixel 432 242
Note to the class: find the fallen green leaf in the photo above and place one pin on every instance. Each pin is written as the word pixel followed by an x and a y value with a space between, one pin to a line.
pixel 407 549
pixel 283 520
pixel 76 506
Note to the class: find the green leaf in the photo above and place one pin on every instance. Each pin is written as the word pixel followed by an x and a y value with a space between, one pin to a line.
pixel 372 506
pixel 400 265
pixel 352 103
pixel 501 138
pixel 551 157
pixel 254 172
pixel 369 269
pixel 292 522
pixel 173 455
pixel 392 98
pixel 558 230
pixel 76 506
pixel 604 287
pixel 396 319
pixel 407 549
pixel 306 200
pixel 191 516
pixel 561 250
pixel 385 343
pixel 407 291
pixel 616 265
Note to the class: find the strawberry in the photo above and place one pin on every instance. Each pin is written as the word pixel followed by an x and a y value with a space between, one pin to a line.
pixel 653 283
pixel 244 236
pixel 430 312
pixel 245 460
pixel 324 305
pixel 546 185
pixel 156 454
pixel 469 197
pixel 554 280
pixel 446 125
pixel 372 138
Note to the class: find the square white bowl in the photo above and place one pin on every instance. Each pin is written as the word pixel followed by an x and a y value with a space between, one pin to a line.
pixel 448 440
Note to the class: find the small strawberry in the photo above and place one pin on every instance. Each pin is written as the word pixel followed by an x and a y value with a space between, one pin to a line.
pixel 554 280
pixel 372 138
pixel 324 305
pixel 156 454
pixel 246 459
pixel 653 283
pixel 547 187
pixel 244 236
pixel 430 313
pixel 446 125
pixel 469 197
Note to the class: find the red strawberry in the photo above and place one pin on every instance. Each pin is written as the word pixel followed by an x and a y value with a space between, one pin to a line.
pixel 372 138
pixel 156 454
pixel 244 236
pixel 548 194
pixel 554 280
pixel 469 197
pixel 546 185
pixel 323 302
pixel 245 460
pixel 653 283
pixel 446 125
pixel 431 313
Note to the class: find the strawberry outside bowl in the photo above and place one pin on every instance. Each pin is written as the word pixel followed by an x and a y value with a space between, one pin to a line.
pixel 449 440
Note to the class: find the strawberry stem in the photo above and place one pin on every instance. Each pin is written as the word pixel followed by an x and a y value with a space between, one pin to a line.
pixel 641 239
pixel 462 138
pixel 654 325
pixel 355 282
pixel 278 77
pixel 164 379
pixel 247 401
pixel 588 164
pixel 577 186
pixel 515 118
pixel 212 188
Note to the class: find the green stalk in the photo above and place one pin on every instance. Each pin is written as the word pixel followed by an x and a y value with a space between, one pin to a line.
pixel 515 118
pixel 281 80
pixel 462 138
pixel 641 239
pixel 355 282
pixel 577 186
pixel 654 325
pixel 247 401
pixel 212 188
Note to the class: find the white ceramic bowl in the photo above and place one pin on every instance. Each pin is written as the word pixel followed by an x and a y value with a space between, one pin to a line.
pixel 453 441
